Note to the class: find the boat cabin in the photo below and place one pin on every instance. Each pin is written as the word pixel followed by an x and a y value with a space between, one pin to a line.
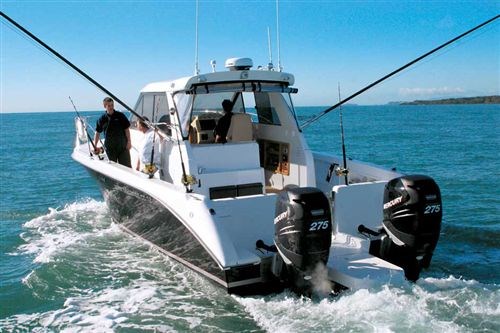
pixel 265 149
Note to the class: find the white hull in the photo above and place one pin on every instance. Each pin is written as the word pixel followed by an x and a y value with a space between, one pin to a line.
pixel 230 234
pixel 211 203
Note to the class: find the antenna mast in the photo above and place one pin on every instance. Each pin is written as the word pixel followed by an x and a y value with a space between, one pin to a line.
pixel 270 64
pixel 196 69
pixel 278 34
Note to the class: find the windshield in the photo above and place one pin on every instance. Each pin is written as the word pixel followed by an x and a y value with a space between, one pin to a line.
pixel 263 106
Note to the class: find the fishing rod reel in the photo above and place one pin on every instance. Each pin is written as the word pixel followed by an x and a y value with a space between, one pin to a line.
pixel 100 152
pixel 340 171
pixel 150 170
pixel 189 180
pixel 337 170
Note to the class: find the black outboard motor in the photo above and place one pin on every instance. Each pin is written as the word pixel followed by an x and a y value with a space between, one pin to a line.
pixel 302 234
pixel 412 220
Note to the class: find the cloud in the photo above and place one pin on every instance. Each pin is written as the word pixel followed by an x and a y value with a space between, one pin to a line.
pixel 429 92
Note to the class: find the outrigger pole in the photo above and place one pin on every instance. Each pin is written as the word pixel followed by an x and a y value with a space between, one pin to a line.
pixel 94 82
pixel 313 119
pixel 70 64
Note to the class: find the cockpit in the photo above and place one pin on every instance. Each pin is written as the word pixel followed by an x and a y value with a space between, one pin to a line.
pixel 200 108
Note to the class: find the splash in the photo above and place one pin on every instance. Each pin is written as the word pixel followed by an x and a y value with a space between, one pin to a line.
pixel 47 235
pixel 441 305
pixel 90 276
pixel 140 291
pixel 322 287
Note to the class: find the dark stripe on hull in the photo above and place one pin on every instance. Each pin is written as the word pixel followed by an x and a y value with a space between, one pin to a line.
pixel 145 217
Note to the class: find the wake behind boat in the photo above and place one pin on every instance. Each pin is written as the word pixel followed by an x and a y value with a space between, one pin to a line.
pixel 262 211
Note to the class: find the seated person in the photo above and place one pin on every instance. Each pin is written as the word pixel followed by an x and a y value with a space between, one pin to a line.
pixel 146 148
pixel 220 131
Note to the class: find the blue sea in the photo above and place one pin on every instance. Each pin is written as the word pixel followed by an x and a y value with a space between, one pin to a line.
pixel 66 267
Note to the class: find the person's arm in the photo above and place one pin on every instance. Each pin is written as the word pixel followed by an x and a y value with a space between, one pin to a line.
pixel 129 142
pixel 138 165
pixel 217 131
pixel 96 140
pixel 97 135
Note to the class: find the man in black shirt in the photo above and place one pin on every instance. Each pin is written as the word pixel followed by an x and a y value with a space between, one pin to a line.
pixel 116 128
pixel 224 122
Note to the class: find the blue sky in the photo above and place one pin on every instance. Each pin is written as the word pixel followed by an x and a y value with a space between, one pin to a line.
pixel 126 44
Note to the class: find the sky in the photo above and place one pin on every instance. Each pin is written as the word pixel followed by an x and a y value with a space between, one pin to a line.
pixel 124 45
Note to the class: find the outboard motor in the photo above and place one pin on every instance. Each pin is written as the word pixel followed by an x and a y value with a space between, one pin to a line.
pixel 302 235
pixel 412 220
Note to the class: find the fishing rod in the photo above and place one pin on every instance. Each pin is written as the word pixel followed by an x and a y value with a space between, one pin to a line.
pixel 344 171
pixel 151 168
pixel 84 124
pixel 313 119
pixel 70 64
pixel 187 179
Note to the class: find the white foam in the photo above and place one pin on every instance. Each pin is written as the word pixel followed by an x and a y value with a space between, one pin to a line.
pixel 139 289
pixel 134 286
pixel 110 308
pixel 169 302
pixel 46 235
pixel 388 309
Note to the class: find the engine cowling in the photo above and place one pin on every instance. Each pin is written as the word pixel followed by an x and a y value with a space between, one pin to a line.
pixel 412 221
pixel 303 233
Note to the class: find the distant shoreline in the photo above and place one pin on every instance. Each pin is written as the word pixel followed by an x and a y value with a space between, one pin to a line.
pixel 485 100
pixel 495 99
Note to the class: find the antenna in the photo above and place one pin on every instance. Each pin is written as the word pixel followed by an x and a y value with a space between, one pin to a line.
pixel 270 64
pixel 278 34
pixel 196 69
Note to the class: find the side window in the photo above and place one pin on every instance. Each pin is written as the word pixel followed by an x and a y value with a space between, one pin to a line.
pixel 266 113
pixel 238 106
pixel 161 114
pixel 148 106
pixel 155 108
pixel 249 101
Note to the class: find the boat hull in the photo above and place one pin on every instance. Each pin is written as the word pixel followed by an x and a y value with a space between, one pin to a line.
pixel 145 217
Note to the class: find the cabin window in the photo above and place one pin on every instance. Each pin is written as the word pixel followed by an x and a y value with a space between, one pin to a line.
pixel 183 106
pixel 262 107
pixel 154 106
pixel 266 112
pixel 211 102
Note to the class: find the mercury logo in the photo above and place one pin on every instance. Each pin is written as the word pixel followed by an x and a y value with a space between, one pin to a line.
pixel 393 202
pixel 280 217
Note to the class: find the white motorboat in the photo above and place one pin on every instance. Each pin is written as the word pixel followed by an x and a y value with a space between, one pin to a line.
pixel 262 211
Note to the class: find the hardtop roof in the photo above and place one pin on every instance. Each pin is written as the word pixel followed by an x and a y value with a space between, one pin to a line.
pixel 185 83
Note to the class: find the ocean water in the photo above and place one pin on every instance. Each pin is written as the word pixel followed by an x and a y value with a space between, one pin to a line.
pixel 66 267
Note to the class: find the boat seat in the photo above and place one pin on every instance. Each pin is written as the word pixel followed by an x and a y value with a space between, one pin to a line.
pixel 270 189
pixel 240 128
